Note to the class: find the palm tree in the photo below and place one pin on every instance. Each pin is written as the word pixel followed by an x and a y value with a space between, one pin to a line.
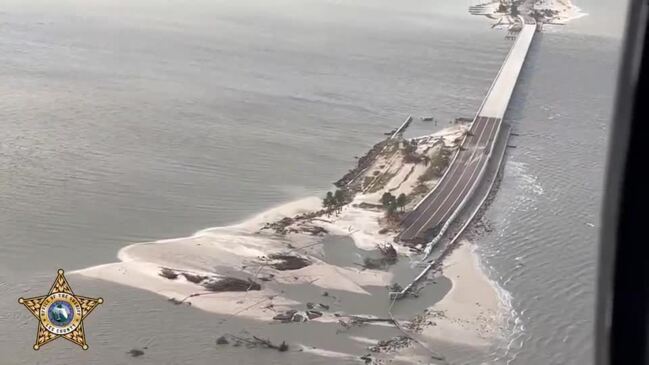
pixel 392 207
pixel 389 202
pixel 386 198
pixel 339 199
pixel 401 201
pixel 328 201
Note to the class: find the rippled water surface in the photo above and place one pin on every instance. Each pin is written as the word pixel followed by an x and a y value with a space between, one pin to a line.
pixel 123 126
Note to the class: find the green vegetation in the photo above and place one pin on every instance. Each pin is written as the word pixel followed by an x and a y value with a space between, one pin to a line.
pixel 410 154
pixel 402 200
pixel 334 201
pixel 437 165
pixel 391 203
pixel 513 11
pixel 379 182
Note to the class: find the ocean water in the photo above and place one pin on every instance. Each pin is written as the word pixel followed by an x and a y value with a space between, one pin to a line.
pixel 121 124
pixel 545 217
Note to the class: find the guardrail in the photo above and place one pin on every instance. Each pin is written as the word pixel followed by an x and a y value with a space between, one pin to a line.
pixel 437 238
pixel 484 100
pixel 408 287
pixel 431 244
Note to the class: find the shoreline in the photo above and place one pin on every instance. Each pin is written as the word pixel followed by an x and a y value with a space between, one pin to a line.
pixel 252 271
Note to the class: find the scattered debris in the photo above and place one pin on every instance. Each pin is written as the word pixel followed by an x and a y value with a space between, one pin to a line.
pixel 194 278
pixel 391 345
pixel 251 342
pixel 231 284
pixel 463 120
pixel 175 301
pixel 314 230
pixel 320 306
pixel 437 164
pixel 269 277
pixel 388 257
pixel 395 287
pixel 312 314
pixel 167 273
pixel 213 283
pixel 359 321
pixel 367 359
pixel 293 315
pixel 356 320
pixel 365 205
pixel 286 224
pixel 136 352
pixel 285 262
pixel 285 316
pixel 387 250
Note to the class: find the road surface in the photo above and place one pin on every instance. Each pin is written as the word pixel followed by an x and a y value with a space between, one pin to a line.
pixel 452 191
pixel 463 173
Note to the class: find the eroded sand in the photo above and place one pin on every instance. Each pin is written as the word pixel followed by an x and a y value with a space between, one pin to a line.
pixel 471 310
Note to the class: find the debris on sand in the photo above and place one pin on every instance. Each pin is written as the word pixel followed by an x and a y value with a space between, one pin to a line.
pixel 230 284
pixel 319 306
pixel 251 342
pixel 194 278
pixel 176 301
pixel 369 206
pixel 368 359
pixel 395 287
pixel 359 321
pixel 213 283
pixel 286 316
pixel 294 315
pixel 391 345
pixel 284 262
pixel 290 224
pixel 167 273
pixel 387 250
pixel 311 314
pixel 280 226
pixel 388 257
pixel 268 277
pixel 136 353
pixel 314 230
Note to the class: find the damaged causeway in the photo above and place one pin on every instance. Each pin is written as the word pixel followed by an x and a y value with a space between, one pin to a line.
pixel 466 172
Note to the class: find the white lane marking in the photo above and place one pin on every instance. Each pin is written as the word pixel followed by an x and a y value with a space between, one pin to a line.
pixel 457 183
pixel 435 198
pixel 483 159
pixel 466 161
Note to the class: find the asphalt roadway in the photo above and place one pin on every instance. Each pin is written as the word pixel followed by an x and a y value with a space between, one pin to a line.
pixel 436 208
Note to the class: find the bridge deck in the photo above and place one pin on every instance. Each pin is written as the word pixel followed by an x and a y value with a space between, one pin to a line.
pixel 438 208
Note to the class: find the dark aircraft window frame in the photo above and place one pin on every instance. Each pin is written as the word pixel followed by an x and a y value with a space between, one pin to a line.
pixel 623 289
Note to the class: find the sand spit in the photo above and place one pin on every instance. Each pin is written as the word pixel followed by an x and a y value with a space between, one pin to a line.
pixel 249 269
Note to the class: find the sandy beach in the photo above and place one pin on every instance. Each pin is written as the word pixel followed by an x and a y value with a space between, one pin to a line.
pixel 255 268
pixel 472 309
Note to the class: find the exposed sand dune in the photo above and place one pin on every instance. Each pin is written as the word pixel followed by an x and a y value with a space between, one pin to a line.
pixel 471 310
pixel 245 251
